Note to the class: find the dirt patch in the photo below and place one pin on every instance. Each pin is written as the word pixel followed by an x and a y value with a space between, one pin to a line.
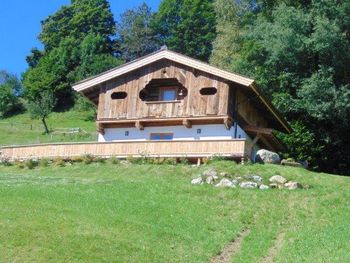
pixel 273 251
pixel 231 248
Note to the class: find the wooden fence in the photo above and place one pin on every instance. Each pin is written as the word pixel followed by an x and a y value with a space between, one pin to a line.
pixel 198 148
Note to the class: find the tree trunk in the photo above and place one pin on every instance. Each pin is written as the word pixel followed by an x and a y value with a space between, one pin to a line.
pixel 45 126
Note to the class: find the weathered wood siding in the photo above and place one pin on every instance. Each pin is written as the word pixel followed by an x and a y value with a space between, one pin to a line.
pixel 248 111
pixel 199 148
pixel 194 104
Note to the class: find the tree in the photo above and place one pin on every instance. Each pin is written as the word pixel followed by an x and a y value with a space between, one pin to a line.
pixel 78 43
pixel 41 107
pixel 10 89
pixel 187 26
pixel 135 33
pixel 298 53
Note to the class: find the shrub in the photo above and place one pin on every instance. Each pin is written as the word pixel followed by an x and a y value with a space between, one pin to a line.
pixel 58 161
pixel 44 162
pixel 171 161
pixel 114 160
pixel 77 159
pixel 20 164
pixel 88 159
pixel 31 164
pixel 5 162
pixel 99 160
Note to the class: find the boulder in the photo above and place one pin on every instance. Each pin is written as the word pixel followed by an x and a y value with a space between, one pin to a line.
pixel 235 182
pixel 278 179
pixel 198 180
pixel 210 176
pixel 255 178
pixel 225 183
pixel 224 174
pixel 248 185
pixel 265 156
pixel 292 185
pixel 264 187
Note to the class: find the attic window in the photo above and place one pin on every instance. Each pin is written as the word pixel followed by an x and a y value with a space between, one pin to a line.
pixel 208 91
pixel 119 95
pixel 163 90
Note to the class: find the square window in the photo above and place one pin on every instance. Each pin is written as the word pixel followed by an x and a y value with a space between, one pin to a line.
pixel 168 94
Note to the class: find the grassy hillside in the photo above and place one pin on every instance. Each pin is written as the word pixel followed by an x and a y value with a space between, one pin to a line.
pixel 21 129
pixel 150 213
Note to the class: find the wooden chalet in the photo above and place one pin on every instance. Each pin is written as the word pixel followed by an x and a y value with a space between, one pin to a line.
pixel 167 104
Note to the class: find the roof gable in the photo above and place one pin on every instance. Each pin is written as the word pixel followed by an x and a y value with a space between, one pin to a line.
pixel 94 81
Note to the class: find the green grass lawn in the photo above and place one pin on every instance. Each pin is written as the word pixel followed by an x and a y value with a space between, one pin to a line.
pixel 21 129
pixel 151 213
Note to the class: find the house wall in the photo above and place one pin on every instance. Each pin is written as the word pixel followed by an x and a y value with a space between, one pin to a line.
pixel 214 131
pixel 193 105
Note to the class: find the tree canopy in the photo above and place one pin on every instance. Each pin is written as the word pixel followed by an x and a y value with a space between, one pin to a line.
pixel 187 26
pixel 299 54
pixel 78 42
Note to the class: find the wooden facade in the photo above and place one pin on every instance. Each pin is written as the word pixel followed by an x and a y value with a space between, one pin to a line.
pixel 167 89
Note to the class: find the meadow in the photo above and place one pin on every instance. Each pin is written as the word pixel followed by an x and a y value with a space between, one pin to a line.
pixel 113 212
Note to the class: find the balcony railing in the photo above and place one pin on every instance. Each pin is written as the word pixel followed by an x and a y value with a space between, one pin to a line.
pixel 237 148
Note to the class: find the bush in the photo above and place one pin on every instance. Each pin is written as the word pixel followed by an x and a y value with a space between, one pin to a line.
pixel 20 164
pixel 31 164
pixel 99 160
pixel 114 160
pixel 184 161
pixel 88 159
pixel 77 159
pixel 44 162
pixel 59 161
pixel 5 162
pixel 170 161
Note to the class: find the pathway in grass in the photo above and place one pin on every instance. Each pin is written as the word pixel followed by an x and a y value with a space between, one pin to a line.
pixel 231 248
pixel 273 251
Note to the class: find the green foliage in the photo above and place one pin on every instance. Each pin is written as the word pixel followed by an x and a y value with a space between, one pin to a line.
pixel 187 26
pixel 31 164
pixel 10 89
pixel 77 44
pixel 299 54
pixel 88 159
pixel 136 34
pixel 41 107
pixel 44 162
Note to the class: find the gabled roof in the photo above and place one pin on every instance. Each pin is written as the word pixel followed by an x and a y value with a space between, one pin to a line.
pixel 184 60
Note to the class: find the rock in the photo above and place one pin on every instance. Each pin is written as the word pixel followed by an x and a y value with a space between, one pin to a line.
pixel 248 185
pixel 264 187
pixel 224 174
pixel 235 182
pixel 211 179
pixel 292 185
pixel 210 173
pixel 225 183
pixel 124 162
pixel 265 156
pixel 210 176
pixel 277 179
pixel 255 178
pixel 198 180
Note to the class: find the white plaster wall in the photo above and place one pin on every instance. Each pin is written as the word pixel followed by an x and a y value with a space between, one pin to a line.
pixel 213 131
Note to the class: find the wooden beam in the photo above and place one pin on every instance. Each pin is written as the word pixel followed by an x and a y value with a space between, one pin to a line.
pixel 256 139
pixel 139 125
pixel 100 128
pixel 187 123
pixel 255 129
pixel 228 123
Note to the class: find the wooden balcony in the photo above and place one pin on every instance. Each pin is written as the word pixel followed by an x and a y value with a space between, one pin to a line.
pixel 237 148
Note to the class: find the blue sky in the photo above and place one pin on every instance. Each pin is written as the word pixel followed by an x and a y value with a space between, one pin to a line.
pixel 20 26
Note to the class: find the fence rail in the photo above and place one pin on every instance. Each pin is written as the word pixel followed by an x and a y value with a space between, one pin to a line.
pixel 197 148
